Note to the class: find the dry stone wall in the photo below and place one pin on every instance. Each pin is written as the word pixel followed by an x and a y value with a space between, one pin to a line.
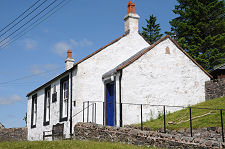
pixel 13 134
pixel 215 89
pixel 90 131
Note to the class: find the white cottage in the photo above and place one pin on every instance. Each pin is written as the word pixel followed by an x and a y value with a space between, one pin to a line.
pixel 105 86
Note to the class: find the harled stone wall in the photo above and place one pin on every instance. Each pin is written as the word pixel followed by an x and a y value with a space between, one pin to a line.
pixel 13 134
pixel 214 89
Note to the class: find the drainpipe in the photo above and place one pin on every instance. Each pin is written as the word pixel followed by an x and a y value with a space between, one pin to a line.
pixel 121 114
pixel 71 85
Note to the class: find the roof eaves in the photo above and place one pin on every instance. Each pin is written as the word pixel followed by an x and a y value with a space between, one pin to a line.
pixel 49 82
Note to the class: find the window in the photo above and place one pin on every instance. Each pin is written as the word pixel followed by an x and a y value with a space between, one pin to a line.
pixel 64 96
pixel 34 111
pixel 47 105
pixel 54 95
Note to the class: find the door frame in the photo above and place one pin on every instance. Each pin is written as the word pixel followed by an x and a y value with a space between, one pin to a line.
pixel 105 110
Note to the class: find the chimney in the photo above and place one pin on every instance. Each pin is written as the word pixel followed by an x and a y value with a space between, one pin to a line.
pixel 131 19
pixel 69 60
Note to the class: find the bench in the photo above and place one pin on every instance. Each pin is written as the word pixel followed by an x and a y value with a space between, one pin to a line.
pixel 56 133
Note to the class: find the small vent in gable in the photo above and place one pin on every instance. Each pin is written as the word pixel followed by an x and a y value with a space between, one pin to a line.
pixel 167 50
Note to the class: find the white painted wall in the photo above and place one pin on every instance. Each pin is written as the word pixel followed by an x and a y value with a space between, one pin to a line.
pixel 88 80
pixel 87 85
pixel 37 133
pixel 161 79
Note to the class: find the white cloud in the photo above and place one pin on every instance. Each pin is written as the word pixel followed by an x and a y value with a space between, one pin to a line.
pixel 30 44
pixel 10 100
pixel 61 47
pixel 37 69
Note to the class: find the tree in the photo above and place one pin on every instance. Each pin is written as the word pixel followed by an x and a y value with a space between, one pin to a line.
pixel 200 28
pixel 152 30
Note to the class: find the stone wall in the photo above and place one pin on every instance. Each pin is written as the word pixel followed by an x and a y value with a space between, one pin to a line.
pixel 13 134
pixel 90 131
pixel 215 89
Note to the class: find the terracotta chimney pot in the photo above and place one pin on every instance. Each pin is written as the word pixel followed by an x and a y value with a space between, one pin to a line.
pixel 69 53
pixel 131 7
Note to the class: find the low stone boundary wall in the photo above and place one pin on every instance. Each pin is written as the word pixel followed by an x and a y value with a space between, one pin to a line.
pixel 90 131
pixel 13 134
pixel 214 89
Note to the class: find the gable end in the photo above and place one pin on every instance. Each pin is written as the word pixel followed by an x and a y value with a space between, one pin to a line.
pixel 155 44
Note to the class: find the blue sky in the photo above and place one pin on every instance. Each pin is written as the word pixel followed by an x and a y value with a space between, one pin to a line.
pixel 82 25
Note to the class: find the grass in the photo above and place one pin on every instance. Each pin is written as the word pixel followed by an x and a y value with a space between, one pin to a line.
pixel 67 144
pixel 180 119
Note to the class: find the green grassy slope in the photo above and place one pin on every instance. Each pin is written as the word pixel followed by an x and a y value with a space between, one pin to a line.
pixel 204 118
pixel 67 144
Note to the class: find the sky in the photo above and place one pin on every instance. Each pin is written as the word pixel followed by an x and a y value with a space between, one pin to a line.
pixel 39 55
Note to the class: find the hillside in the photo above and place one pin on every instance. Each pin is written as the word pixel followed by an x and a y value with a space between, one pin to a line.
pixel 201 118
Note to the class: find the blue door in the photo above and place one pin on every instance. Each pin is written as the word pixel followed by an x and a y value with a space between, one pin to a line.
pixel 110 104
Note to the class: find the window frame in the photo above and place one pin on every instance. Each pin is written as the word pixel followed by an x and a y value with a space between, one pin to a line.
pixel 61 107
pixel 34 107
pixel 47 89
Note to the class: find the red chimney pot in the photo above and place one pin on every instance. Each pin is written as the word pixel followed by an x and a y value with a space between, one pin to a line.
pixel 131 7
pixel 69 53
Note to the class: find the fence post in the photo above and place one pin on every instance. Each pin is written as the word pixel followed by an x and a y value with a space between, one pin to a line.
pixel 88 112
pixel 95 112
pixel 103 113
pixel 221 115
pixel 83 112
pixel 141 119
pixel 190 122
pixel 164 117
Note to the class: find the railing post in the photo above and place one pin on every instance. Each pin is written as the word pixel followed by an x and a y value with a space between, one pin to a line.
pixel 103 113
pixel 83 112
pixel 190 122
pixel 141 119
pixel 88 112
pixel 164 117
pixel 95 112
pixel 221 115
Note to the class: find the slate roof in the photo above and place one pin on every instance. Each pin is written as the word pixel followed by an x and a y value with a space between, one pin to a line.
pixel 142 52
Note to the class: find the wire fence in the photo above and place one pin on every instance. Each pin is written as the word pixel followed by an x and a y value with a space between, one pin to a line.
pixel 143 114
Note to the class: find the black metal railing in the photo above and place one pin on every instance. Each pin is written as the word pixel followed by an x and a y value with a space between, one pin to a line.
pixel 122 105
